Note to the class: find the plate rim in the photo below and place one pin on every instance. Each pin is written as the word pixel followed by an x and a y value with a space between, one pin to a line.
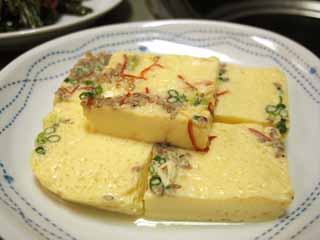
pixel 119 27
pixel 153 24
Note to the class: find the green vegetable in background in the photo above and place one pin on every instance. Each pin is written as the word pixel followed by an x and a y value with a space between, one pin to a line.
pixel 22 14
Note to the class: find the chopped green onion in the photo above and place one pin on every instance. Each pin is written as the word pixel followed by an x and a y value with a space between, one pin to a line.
pixel 40 150
pixel 54 138
pixel 80 70
pixel 156 185
pixel 204 101
pixel 99 68
pixel 98 90
pixel 278 111
pixel 132 62
pixel 182 98
pixel 172 100
pixel 155 180
pixel 88 82
pixel 41 139
pixel 159 159
pixel 49 130
pixel 281 126
pixel 280 107
pixel 70 80
pixel 196 102
pixel 152 170
pixel 284 113
pixel 280 99
pixel 174 96
pixel 173 93
pixel 223 79
pixel 67 80
pixel 196 117
pixel 271 109
pixel 85 95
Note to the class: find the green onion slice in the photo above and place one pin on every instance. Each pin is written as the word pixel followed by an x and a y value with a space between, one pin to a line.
pixel 152 170
pixel 41 139
pixel 173 93
pixel 155 180
pixel 271 109
pixel 85 95
pixel 54 138
pixel 284 113
pixel 98 90
pixel 88 82
pixel 196 102
pixel 159 159
pixel 40 150
pixel 196 117
pixel 70 80
pixel 49 130
pixel 99 68
pixel 281 126
pixel 223 79
pixel 172 100
pixel 280 107
pixel 132 62
pixel 280 99
pixel 182 98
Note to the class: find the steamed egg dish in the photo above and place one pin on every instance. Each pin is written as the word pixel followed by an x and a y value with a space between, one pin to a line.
pixel 168 137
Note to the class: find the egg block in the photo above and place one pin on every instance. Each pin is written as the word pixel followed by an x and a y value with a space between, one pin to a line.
pixel 252 95
pixel 82 166
pixel 155 98
pixel 243 177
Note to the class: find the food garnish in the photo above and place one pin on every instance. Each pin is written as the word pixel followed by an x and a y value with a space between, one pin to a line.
pixel 278 114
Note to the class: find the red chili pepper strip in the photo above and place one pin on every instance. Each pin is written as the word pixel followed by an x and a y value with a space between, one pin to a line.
pixel 90 102
pixel 124 65
pixel 186 82
pixel 123 68
pixel 260 134
pixel 206 83
pixel 142 73
pixel 124 100
pixel 212 138
pixel 147 90
pixel 222 93
pixel 155 64
pixel 210 107
pixel 192 139
pixel 132 76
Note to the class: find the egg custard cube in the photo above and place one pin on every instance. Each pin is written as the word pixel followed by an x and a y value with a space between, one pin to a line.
pixel 89 168
pixel 257 95
pixel 243 177
pixel 154 98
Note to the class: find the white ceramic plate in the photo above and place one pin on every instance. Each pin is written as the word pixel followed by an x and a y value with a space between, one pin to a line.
pixel 67 23
pixel 26 93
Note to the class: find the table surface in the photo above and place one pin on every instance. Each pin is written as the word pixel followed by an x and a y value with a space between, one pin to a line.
pixel 127 11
